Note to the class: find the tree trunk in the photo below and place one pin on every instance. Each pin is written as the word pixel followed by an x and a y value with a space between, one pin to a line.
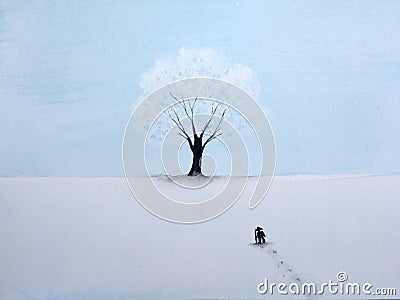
pixel 196 164
pixel 197 150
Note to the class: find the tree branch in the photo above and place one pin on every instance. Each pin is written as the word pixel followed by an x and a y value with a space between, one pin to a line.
pixel 213 111
pixel 191 107
pixel 216 132
pixel 188 108
pixel 179 125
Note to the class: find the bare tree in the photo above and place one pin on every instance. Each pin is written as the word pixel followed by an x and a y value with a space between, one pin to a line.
pixel 196 145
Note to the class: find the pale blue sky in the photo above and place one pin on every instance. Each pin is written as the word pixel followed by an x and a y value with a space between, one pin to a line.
pixel 70 73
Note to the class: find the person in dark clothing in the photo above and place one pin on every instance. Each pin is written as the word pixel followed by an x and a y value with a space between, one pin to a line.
pixel 259 235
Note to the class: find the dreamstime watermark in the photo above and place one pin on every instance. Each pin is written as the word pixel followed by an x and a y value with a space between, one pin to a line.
pixel 340 286
pixel 147 190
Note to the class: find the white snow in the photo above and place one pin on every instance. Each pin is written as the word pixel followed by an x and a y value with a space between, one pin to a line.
pixel 88 238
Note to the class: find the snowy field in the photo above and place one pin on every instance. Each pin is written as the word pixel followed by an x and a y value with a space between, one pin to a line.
pixel 78 238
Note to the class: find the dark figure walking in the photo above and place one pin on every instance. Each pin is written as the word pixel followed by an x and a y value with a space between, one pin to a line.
pixel 259 235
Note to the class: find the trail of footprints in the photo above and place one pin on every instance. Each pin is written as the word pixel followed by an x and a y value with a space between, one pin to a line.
pixel 283 272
